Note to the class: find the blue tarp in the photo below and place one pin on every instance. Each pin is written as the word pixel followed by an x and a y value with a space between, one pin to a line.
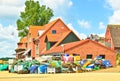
pixel 83 62
pixel 42 68
pixel 66 54
pixel 106 63
pixel 33 69
pixel 90 66
pixel 99 57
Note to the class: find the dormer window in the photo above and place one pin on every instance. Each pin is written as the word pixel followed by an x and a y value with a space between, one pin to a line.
pixel 53 31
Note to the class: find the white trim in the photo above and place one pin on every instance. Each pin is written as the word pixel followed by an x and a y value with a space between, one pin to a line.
pixel 26 52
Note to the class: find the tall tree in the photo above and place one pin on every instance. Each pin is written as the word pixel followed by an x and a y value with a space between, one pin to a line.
pixel 34 14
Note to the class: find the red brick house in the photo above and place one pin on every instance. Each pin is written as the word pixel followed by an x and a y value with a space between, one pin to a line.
pixel 56 38
pixel 112 37
pixel 42 38
pixel 87 49
pixel 22 45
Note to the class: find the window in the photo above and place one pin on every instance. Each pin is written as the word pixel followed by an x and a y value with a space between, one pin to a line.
pixel 29 53
pixel 74 54
pixel 52 44
pixel 89 56
pixel 53 31
pixel 103 56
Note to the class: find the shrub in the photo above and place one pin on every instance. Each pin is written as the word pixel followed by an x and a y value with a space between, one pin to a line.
pixel 118 58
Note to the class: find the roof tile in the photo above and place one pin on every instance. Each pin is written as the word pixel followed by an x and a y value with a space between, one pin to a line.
pixel 72 45
pixel 115 33
pixel 23 40
pixel 53 37
pixel 34 30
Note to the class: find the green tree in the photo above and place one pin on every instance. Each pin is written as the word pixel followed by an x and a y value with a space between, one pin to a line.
pixel 118 58
pixel 34 14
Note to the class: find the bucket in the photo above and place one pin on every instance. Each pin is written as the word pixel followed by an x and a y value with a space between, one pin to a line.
pixel 33 69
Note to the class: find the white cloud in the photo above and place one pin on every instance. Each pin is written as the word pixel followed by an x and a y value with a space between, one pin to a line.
pixel 8 40
pixel 114 4
pixel 84 24
pixel 9 11
pixel 8 32
pixel 101 25
pixel 54 18
pixel 115 17
pixel 12 2
pixel 57 5
pixel 11 7
pixel 83 36
pixel 101 34
pixel 70 3
pixel 80 35
pixel 54 4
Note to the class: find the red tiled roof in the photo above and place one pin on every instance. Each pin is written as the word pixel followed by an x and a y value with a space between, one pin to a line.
pixel 49 25
pixel 53 37
pixel 23 40
pixel 69 46
pixel 58 38
pixel 34 30
pixel 115 34
pixel 65 47
pixel 63 36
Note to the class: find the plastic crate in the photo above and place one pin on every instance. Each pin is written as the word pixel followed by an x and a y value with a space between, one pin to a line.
pixel 51 70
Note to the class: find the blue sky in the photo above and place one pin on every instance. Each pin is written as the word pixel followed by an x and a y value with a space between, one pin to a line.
pixel 84 17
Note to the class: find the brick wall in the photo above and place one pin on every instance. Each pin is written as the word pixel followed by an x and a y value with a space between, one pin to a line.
pixel 94 49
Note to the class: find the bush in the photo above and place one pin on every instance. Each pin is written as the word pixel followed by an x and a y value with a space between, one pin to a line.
pixel 118 58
